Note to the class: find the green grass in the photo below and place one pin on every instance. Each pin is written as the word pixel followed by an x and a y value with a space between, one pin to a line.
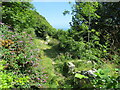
pixel 45 61
pixel 53 68
pixel 41 44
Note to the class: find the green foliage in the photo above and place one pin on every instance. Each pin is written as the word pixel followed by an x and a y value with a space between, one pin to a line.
pixel 89 39
pixel 116 59
pixel 60 33
pixel 80 76
pixel 52 41
pixel 42 27
pixel 104 80
pixel 83 13
pixel 63 57
pixel 17 14
pixel 9 79
pixel 98 16
pixel 92 50
pixel 15 50
pixel 108 24
pixel 84 65
pixel 81 41
pixel 23 17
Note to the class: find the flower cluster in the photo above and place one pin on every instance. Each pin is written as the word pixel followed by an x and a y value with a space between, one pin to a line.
pixel 20 53
pixel 6 43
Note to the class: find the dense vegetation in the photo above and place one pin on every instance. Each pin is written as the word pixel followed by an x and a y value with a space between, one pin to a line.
pixel 35 55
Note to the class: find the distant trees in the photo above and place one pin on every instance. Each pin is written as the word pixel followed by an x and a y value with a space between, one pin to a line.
pixel 23 17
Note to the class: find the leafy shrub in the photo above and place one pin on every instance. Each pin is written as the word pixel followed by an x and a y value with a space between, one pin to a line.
pixel 116 59
pixel 20 56
pixel 9 79
pixel 81 49
pixel 63 57
pixel 18 14
pixel 15 50
pixel 30 31
pixel 59 33
pixel 105 80
pixel 52 42
pixel 83 65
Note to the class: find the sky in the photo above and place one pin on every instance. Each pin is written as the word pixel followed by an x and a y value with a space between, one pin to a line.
pixel 53 12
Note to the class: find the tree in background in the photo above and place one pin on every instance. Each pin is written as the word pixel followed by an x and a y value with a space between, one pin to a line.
pixel 83 13
pixel 17 14
pixel 109 23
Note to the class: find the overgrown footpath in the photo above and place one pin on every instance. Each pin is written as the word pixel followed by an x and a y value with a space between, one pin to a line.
pixel 66 72
pixel 30 62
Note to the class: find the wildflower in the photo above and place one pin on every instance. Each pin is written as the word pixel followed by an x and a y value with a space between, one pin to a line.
pixel 9 27
pixel 11 49
pixel 31 38
pixel 12 53
pixel 13 36
pixel 39 85
pixel 14 72
pixel 45 74
pixel 44 81
pixel 31 56
pixel 30 42
pixel 2 35
pixel 32 61
pixel 1 23
pixel 24 56
pixel 20 41
pixel 26 62
pixel 29 71
pixel 38 78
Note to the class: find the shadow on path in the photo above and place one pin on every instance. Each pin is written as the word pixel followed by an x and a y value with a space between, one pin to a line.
pixel 52 52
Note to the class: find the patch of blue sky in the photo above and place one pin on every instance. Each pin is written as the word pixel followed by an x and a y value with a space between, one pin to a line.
pixel 53 12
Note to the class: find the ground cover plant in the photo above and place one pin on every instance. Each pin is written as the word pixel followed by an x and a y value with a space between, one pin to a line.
pixel 20 57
